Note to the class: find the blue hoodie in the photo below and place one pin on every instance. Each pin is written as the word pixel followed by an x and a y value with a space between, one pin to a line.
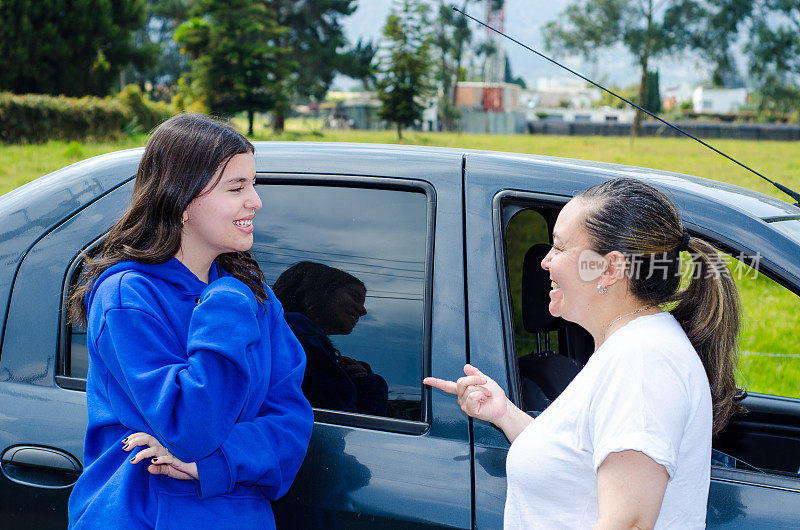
pixel 213 375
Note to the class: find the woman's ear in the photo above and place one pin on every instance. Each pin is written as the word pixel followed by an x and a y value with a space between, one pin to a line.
pixel 616 269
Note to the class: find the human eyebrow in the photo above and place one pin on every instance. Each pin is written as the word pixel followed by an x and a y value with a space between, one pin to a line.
pixel 236 180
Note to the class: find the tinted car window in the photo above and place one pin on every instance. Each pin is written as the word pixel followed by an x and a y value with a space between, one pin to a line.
pixel 78 365
pixel 356 261
pixel 348 264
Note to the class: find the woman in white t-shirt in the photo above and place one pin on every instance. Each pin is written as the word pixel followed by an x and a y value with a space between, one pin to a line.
pixel 628 443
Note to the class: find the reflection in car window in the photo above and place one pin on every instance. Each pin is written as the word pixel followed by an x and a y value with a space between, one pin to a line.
pixel 320 301
pixel 363 327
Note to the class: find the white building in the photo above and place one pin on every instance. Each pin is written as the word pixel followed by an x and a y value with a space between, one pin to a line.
pixel 599 115
pixel 718 99
pixel 673 95
pixel 556 92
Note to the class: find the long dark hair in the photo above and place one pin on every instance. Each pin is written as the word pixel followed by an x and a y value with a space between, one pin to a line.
pixel 305 287
pixel 181 157
pixel 638 220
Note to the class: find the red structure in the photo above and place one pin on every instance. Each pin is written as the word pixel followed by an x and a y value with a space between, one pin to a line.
pixel 493 99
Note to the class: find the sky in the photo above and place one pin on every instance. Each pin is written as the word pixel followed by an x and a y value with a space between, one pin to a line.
pixel 523 21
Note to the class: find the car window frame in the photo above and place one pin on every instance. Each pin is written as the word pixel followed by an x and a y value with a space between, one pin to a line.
pixel 326 416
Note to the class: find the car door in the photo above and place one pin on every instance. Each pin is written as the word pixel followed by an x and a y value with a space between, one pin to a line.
pixel 389 219
pixel 511 206
pixel 392 221
pixel 489 180
pixel 42 406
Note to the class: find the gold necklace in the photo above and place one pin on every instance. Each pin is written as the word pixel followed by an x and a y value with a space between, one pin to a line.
pixel 625 315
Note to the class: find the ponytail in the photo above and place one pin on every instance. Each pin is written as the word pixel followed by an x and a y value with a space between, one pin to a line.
pixel 709 311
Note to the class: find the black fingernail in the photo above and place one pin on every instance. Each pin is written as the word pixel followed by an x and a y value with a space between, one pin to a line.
pixel 132 459
pixel 154 460
pixel 125 440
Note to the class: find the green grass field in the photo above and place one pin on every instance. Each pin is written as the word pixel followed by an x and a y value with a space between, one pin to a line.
pixel 771 313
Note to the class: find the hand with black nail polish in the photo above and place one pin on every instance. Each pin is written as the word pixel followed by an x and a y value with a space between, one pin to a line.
pixel 161 461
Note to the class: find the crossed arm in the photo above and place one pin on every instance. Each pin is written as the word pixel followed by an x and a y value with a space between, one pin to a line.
pixel 190 408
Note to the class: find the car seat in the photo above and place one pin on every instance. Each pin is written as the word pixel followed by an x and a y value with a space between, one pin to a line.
pixel 544 374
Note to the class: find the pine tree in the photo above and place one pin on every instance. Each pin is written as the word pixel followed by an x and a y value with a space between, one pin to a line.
pixel 451 35
pixel 404 68
pixel 238 65
pixel 652 96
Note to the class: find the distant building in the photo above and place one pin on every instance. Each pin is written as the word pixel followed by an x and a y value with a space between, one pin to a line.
pixel 567 93
pixel 674 95
pixel 718 100
pixel 493 108
pixel 599 115
pixel 352 110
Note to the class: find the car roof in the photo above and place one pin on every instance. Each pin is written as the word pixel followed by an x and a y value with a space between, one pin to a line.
pixel 338 158
pixel 82 182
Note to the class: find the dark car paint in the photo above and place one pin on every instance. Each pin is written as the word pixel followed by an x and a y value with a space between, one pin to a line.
pixel 451 473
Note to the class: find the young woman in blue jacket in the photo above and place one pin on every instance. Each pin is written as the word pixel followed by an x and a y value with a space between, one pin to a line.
pixel 196 414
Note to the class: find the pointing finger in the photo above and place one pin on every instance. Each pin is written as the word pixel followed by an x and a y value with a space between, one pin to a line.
pixel 446 386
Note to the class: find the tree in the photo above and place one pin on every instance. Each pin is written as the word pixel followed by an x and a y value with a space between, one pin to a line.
pixel 775 55
pixel 238 62
pixel 164 63
pixel 711 28
pixel 508 76
pixel 404 66
pixel 72 48
pixel 315 45
pixel 652 95
pixel 357 63
pixel 450 37
pixel 772 50
pixel 647 28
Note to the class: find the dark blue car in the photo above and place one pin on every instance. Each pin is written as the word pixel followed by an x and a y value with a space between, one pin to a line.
pixel 439 239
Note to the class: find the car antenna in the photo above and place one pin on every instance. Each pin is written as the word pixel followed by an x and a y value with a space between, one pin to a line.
pixel 781 187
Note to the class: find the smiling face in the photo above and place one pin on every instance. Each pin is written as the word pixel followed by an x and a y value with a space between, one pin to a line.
pixel 571 295
pixel 220 219
pixel 343 309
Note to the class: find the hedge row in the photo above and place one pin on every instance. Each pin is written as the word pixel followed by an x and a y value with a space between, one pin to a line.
pixel 34 118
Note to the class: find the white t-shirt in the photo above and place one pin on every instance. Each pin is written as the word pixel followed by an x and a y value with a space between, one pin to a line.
pixel 644 389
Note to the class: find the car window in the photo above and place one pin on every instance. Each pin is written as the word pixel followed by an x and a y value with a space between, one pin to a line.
pixel 525 230
pixel 349 266
pixel 769 360
pixel 549 351
pixel 78 366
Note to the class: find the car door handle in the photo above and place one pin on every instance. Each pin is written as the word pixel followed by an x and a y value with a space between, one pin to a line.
pixel 41 467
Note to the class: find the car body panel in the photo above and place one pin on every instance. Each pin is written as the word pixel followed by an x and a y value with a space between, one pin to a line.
pixel 446 471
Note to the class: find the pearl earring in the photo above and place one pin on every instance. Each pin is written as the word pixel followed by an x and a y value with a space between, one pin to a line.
pixel 602 289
